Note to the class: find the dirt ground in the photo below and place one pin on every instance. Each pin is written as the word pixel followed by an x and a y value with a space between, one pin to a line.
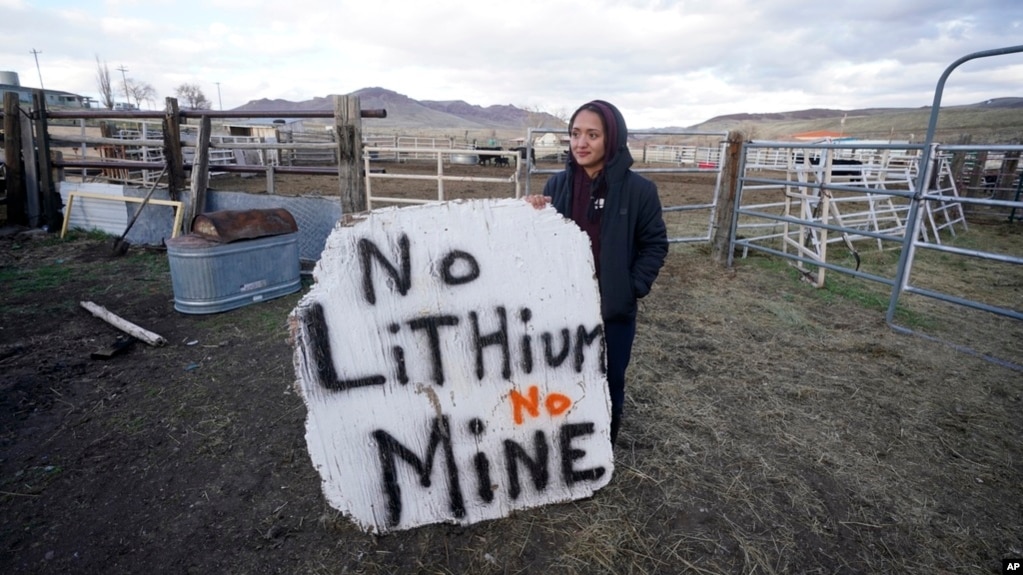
pixel 770 428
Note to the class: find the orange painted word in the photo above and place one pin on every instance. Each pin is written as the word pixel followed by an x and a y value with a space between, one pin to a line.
pixel 556 403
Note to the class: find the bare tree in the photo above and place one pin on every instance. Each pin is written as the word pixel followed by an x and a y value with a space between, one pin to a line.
pixel 106 92
pixel 563 114
pixel 193 97
pixel 140 91
pixel 540 117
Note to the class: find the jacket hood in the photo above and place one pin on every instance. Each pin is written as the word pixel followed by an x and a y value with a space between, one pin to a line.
pixel 617 158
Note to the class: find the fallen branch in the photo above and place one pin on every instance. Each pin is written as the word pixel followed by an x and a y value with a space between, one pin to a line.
pixel 123 324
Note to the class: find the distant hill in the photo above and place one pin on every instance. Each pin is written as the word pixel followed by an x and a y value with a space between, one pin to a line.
pixel 998 120
pixel 404 112
pixel 823 113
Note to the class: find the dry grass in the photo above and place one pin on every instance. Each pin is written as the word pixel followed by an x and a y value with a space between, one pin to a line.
pixel 770 428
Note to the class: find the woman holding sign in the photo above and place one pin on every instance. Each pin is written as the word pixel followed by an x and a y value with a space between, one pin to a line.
pixel 621 213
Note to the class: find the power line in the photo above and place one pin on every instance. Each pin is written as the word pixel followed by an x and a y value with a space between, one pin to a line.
pixel 125 78
pixel 36 53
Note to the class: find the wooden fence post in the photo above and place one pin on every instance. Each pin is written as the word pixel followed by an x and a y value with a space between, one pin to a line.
pixel 977 175
pixel 172 149
pixel 30 172
pixel 348 123
pixel 200 172
pixel 51 216
pixel 14 178
pixel 958 162
pixel 720 239
pixel 1006 176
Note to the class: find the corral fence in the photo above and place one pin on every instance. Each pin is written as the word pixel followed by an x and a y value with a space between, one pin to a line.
pixel 794 201
pixel 704 154
pixel 797 201
pixel 42 147
pixel 442 157
pixel 704 157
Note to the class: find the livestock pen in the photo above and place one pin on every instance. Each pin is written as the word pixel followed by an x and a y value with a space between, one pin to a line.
pixel 901 195
pixel 772 426
pixel 822 206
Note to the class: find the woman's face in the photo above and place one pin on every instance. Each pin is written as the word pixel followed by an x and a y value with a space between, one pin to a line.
pixel 588 142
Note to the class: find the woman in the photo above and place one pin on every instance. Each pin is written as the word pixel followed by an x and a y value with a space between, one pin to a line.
pixel 621 213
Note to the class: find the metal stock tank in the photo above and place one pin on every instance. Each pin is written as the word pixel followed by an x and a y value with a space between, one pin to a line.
pixel 211 275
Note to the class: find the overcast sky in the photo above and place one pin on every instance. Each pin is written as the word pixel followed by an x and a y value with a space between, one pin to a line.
pixel 663 62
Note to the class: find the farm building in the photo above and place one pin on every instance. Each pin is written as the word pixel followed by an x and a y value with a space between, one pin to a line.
pixel 551 139
pixel 54 98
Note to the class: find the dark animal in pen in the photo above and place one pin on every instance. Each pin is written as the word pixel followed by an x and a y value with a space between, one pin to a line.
pixel 854 174
pixel 486 159
pixel 525 154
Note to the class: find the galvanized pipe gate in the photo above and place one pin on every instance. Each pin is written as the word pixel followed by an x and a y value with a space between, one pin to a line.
pixel 917 189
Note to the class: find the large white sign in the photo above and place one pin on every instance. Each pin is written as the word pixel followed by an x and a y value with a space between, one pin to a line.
pixel 451 359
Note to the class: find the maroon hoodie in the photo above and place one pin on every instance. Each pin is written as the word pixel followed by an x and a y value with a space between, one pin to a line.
pixel 589 194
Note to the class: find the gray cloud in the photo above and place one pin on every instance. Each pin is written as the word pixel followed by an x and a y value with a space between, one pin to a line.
pixel 663 62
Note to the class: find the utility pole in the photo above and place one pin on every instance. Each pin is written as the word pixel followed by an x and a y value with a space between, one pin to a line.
pixel 127 98
pixel 36 53
pixel 221 102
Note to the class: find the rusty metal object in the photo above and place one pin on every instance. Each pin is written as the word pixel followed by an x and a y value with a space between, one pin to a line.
pixel 231 225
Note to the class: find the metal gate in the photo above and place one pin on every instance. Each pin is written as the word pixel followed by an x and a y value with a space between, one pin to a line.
pixel 794 200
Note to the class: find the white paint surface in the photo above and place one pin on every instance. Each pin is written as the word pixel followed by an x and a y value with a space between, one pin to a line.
pixel 526 258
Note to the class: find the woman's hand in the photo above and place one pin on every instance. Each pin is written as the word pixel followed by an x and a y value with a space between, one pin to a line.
pixel 538 201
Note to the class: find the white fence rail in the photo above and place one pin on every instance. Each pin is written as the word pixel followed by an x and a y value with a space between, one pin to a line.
pixel 442 156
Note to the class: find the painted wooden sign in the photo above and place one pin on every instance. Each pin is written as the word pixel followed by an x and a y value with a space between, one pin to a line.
pixel 451 359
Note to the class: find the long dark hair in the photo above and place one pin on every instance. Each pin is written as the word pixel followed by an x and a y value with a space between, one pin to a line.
pixel 592 107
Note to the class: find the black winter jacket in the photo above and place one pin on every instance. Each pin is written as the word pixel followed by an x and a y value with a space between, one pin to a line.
pixel 633 238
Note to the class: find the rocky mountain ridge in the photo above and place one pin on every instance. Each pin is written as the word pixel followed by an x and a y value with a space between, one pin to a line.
pixel 1000 118
pixel 403 111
